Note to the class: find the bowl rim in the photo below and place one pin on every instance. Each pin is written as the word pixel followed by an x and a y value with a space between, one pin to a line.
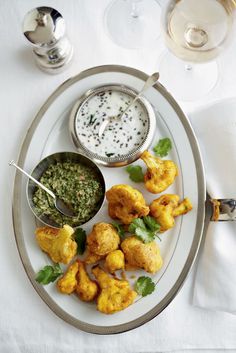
pixel 52 156
pixel 112 161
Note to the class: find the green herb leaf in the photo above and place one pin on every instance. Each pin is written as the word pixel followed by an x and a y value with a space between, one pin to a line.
pixel 135 173
pixel 49 274
pixel 152 223
pixel 136 223
pixel 145 235
pixel 80 238
pixel 119 229
pixel 163 147
pixel 92 119
pixel 144 286
pixel 145 228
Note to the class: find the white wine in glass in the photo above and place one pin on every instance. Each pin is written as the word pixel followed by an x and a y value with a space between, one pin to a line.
pixel 195 31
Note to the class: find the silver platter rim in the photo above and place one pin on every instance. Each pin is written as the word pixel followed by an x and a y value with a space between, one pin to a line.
pixel 17 225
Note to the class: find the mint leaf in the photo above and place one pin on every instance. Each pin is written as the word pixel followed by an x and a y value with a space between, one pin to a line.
pixel 49 274
pixel 135 173
pixel 144 286
pixel 120 229
pixel 80 238
pixel 163 147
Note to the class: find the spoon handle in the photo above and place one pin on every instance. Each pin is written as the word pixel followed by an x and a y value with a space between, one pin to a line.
pixel 149 83
pixel 12 163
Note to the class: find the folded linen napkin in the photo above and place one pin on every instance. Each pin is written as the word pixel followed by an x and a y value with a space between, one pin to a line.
pixel 215 282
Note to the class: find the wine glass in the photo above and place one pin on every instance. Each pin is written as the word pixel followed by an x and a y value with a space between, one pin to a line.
pixel 195 31
pixel 133 23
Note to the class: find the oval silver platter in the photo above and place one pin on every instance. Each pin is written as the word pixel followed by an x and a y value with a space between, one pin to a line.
pixel 49 133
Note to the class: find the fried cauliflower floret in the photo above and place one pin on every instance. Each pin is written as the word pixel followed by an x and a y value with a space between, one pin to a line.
pixel 68 282
pixel 85 288
pixel 57 243
pixel 160 173
pixel 92 258
pixel 126 203
pixel 115 260
pixel 115 294
pixel 103 239
pixel 166 208
pixel 138 254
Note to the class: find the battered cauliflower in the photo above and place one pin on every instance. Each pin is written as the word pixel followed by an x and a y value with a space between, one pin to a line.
pixel 126 203
pixel 115 294
pixel 68 282
pixel 85 288
pixel 166 207
pixel 115 260
pixel 57 243
pixel 138 254
pixel 92 258
pixel 160 173
pixel 77 279
pixel 102 240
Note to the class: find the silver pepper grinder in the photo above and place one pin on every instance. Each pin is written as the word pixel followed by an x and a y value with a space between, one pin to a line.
pixel 44 27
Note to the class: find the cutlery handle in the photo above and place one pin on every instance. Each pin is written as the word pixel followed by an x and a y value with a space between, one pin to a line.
pixel 12 163
pixel 149 83
pixel 223 210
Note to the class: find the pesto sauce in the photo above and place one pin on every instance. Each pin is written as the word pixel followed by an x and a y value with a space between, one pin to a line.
pixel 78 185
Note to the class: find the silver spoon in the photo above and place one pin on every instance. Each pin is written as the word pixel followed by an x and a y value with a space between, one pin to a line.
pixel 59 204
pixel 151 80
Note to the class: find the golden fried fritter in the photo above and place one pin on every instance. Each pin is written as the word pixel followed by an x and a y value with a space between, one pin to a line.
pixel 85 288
pixel 126 203
pixel 103 239
pixel 92 258
pixel 57 243
pixel 115 260
pixel 160 173
pixel 138 254
pixel 166 207
pixel 68 282
pixel 115 294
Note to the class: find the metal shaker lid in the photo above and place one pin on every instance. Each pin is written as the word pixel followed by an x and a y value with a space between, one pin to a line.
pixel 43 26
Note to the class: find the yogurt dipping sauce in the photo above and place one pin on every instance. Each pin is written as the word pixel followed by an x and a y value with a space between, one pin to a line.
pixel 120 137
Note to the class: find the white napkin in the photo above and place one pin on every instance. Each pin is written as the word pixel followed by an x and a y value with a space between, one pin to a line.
pixel 215 283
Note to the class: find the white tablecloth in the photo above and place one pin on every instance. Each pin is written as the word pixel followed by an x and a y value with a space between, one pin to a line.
pixel 26 323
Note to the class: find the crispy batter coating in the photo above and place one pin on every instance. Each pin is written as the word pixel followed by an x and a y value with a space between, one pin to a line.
pixel 160 173
pixel 57 243
pixel 103 239
pixel 115 260
pixel 92 258
pixel 138 254
pixel 68 282
pixel 166 207
pixel 115 294
pixel 126 203
pixel 86 288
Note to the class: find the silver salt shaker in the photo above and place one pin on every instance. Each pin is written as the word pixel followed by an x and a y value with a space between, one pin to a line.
pixel 44 27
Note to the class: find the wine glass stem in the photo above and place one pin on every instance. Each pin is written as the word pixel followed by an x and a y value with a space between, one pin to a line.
pixel 188 67
pixel 134 9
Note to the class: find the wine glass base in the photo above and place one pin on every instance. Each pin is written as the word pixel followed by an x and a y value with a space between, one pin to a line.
pixel 133 30
pixel 187 82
